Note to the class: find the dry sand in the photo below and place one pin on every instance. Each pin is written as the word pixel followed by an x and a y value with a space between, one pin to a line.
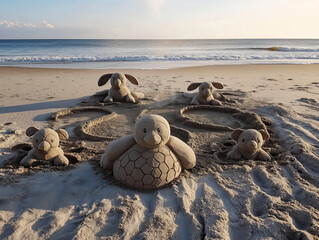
pixel 218 199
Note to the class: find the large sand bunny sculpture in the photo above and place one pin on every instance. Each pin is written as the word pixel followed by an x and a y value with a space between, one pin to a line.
pixel 150 157
pixel 205 93
pixel 249 143
pixel 46 147
pixel 119 92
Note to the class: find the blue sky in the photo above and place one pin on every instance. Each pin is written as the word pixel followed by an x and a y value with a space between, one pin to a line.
pixel 163 19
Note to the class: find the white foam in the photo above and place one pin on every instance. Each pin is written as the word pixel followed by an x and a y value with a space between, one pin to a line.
pixel 147 58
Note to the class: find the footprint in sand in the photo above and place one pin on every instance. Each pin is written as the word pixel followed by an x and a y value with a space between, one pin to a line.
pixel 260 205
pixel 301 219
pixel 261 179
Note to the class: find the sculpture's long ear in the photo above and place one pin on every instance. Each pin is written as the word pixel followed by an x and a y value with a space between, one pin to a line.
pixel 218 85
pixel 104 78
pixel 236 133
pixel 131 79
pixel 265 134
pixel 63 135
pixel 31 131
pixel 193 86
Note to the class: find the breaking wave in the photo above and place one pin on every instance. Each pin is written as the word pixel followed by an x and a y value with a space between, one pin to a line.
pixel 291 49
pixel 145 58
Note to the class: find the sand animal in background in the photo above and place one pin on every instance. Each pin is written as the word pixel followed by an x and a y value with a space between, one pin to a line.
pixel 150 157
pixel 119 92
pixel 249 143
pixel 46 147
pixel 205 94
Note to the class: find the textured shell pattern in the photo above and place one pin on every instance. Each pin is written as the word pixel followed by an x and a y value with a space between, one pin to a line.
pixel 147 168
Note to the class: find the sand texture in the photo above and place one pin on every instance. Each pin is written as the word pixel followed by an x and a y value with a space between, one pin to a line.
pixel 217 199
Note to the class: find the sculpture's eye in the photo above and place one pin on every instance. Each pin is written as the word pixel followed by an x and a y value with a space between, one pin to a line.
pixel 144 130
pixel 37 140
pixel 158 130
pixel 52 140
pixel 258 140
pixel 243 140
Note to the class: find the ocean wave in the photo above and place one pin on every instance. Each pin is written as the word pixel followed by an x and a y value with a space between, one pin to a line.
pixel 145 58
pixel 292 49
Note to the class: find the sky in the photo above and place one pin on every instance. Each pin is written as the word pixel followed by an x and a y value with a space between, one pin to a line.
pixel 158 19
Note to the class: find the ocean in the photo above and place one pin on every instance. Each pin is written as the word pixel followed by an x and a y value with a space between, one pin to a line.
pixel 155 54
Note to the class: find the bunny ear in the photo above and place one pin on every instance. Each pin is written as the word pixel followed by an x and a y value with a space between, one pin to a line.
pixel 193 86
pixel 236 133
pixel 103 79
pixel 131 79
pixel 31 131
pixel 63 135
pixel 265 134
pixel 218 85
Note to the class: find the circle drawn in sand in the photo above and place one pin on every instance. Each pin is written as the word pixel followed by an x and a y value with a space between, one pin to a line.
pixel 85 118
pixel 84 113
pixel 219 118
pixel 107 128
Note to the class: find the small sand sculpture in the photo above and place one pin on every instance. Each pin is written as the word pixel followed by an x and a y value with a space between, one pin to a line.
pixel 46 146
pixel 119 92
pixel 150 157
pixel 205 94
pixel 249 143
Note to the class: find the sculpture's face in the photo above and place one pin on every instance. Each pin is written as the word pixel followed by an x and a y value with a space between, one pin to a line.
pixel 151 131
pixel 45 139
pixel 205 89
pixel 250 141
pixel 117 80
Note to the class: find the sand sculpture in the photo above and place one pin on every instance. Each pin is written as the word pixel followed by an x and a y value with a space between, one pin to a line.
pixel 46 146
pixel 150 157
pixel 205 94
pixel 119 92
pixel 249 143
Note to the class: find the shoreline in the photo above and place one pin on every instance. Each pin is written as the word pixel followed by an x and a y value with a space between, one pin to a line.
pixel 163 69
pixel 56 66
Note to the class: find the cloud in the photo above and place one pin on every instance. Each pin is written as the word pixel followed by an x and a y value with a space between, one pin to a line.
pixel 16 24
pixel 47 25
pixel 154 5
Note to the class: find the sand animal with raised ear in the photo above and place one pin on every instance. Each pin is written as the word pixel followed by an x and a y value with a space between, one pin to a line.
pixel 205 94
pixel 46 146
pixel 119 92
pixel 249 143
pixel 150 157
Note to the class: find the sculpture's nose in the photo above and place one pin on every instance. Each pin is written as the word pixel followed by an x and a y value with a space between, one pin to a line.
pixel 206 92
pixel 153 138
pixel 44 146
pixel 252 145
pixel 117 83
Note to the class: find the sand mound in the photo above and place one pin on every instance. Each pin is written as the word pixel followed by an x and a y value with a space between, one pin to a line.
pixel 219 198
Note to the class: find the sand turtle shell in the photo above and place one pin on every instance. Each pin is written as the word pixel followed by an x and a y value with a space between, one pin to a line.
pixel 146 168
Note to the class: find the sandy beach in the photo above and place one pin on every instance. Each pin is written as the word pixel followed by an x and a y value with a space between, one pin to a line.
pixel 218 199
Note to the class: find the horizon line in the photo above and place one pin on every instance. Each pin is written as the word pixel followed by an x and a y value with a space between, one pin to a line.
pixel 143 39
